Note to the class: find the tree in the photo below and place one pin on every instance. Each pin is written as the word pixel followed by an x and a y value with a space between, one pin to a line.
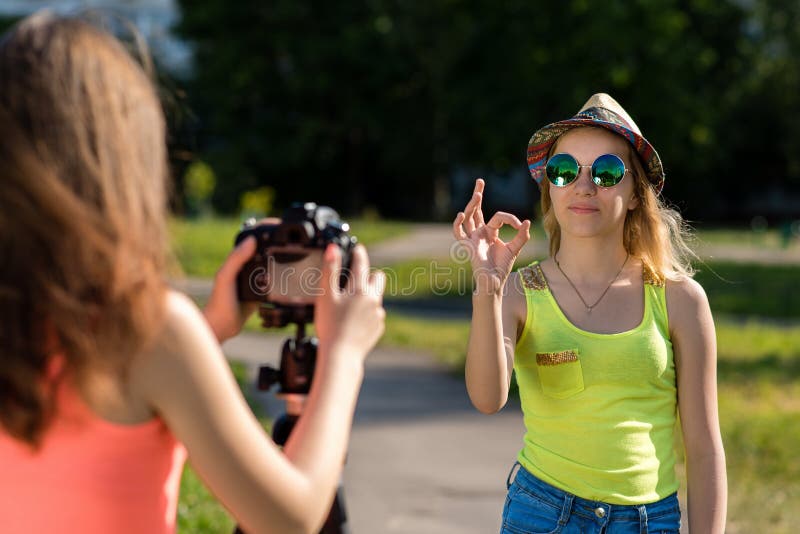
pixel 376 102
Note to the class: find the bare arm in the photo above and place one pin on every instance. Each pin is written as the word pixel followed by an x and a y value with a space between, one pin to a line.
pixel 490 353
pixel 493 332
pixel 694 344
pixel 188 382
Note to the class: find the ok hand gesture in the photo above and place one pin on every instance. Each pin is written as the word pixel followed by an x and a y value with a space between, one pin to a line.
pixel 492 259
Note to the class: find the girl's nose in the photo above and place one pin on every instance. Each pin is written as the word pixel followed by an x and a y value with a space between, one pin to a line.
pixel 584 183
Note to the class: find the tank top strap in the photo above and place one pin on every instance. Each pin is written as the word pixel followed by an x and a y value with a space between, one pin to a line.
pixel 532 277
pixel 655 285
pixel 535 286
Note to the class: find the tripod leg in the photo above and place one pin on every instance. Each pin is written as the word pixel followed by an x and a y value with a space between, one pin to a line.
pixel 336 523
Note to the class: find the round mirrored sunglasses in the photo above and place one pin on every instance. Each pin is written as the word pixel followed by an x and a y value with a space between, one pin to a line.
pixel 607 170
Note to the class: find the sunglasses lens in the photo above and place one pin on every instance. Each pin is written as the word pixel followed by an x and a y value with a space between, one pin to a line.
pixel 562 169
pixel 608 170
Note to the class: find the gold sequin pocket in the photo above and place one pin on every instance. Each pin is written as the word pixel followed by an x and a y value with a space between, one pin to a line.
pixel 560 373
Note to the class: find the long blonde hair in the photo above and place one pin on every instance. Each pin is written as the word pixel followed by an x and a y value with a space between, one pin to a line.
pixel 653 232
pixel 83 196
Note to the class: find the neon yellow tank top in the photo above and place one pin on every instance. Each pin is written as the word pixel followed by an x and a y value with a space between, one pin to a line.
pixel 599 409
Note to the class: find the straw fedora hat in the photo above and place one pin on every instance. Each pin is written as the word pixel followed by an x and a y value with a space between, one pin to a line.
pixel 602 111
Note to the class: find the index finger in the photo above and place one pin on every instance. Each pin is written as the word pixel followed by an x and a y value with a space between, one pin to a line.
pixel 359 270
pixel 500 218
pixel 331 271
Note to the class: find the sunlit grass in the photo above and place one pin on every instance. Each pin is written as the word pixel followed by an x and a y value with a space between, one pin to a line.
pixel 769 238
pixel 732 288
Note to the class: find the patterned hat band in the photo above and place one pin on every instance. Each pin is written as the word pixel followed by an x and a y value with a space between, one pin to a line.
pixel 600 111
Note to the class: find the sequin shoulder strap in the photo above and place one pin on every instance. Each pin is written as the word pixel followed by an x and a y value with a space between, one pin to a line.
pixel 533 277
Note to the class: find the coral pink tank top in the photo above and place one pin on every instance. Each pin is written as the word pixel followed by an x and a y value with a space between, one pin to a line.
pixel 91 476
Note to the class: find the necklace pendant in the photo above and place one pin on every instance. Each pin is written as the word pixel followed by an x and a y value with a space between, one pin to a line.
pixel 589 310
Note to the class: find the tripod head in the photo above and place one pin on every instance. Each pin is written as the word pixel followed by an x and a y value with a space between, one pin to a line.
pixel 298 357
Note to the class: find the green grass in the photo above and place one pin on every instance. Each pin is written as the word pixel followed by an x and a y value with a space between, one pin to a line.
pixel 759 402
pixel 445 338
pixel 198 509
pixel 771 238
pixel 202 245
pixel 751 290
pixel 732 288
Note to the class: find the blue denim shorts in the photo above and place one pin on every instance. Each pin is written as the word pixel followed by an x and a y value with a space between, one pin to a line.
pixel 535 507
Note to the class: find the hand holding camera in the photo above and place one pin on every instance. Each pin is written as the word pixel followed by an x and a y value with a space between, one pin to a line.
pixel 350 318
pixel 302 268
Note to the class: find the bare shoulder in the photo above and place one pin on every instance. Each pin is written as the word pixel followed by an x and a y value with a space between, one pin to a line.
pixel 180 308
pixel 685 293
pixel 183 320
pixel 687 303
pixel 185 336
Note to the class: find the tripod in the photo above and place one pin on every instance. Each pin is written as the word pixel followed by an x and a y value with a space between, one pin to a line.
pixel 296 371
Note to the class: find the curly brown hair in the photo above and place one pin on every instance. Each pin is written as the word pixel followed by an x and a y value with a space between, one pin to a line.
pixel 83 196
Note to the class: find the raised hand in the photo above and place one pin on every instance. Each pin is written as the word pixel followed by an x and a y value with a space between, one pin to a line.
pixel 492 259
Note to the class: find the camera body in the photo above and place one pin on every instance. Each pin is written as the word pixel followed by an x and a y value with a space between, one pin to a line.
pixel 287 265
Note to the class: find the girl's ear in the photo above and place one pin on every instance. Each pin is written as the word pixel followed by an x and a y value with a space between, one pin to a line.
pixel 633 203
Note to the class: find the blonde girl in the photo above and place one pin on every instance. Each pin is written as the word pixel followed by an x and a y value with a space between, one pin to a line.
pixel 610 338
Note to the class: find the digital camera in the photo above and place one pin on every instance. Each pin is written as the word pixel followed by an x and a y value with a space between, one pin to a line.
pixel 287 266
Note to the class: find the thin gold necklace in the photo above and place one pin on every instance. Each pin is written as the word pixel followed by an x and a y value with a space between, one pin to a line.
pixel 590 308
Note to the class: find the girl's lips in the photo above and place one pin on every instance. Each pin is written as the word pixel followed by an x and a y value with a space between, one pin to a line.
pixel 583 209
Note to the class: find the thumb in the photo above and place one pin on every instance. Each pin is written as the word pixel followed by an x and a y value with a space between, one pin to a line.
pixel 237 258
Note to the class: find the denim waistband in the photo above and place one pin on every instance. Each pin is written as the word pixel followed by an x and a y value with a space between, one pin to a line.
pixel 589 508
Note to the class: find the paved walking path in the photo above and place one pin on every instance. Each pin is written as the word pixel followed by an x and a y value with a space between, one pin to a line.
pixel 421 459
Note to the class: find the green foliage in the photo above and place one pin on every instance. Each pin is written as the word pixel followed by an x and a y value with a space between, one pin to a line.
pixel 257 203
pixel 7 22
pixel 380 101
pixel 198 185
